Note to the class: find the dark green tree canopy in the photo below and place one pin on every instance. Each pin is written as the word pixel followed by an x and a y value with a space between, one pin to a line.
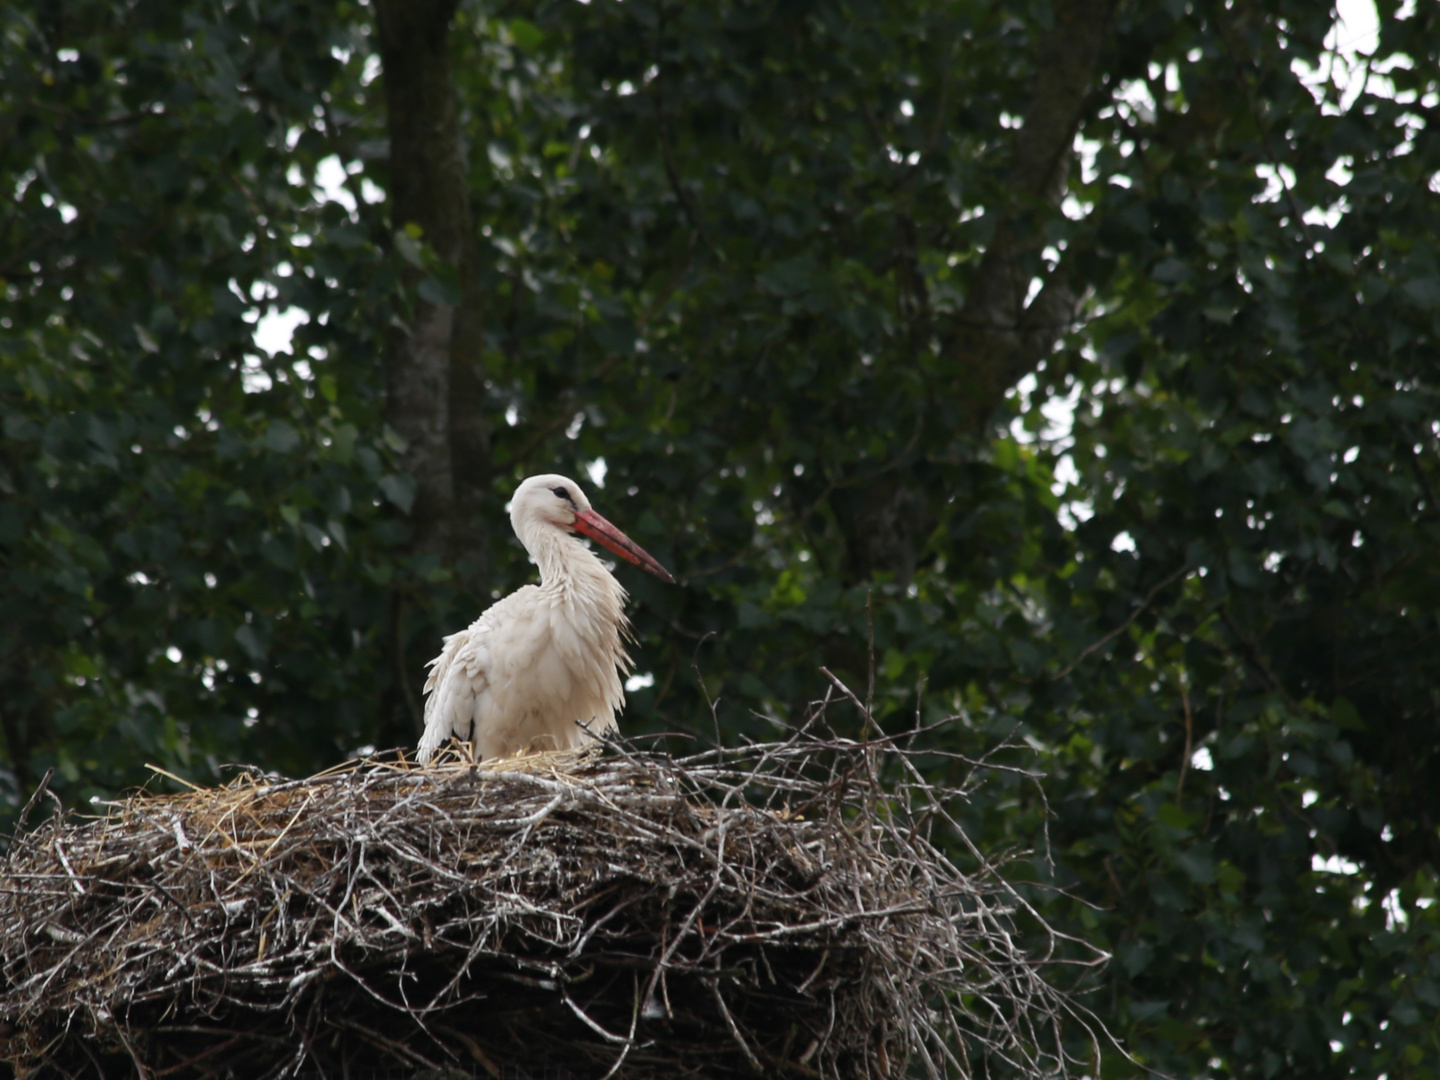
pixel 1077 359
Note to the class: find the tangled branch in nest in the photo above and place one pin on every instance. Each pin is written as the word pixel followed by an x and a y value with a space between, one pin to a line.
pixel 772 910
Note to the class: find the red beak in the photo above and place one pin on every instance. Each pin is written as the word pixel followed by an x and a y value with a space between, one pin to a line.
pixel 589 523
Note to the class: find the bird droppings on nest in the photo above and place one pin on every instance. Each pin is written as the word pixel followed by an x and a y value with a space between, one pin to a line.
pixel 771 910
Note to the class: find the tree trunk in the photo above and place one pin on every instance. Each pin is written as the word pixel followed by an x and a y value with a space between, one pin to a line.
pixel 434 379
pixel 435 382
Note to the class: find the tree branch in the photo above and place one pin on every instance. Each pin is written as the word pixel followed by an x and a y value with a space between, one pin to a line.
pixel 996 338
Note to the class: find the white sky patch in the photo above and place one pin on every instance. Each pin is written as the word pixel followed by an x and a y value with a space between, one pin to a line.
pixel 254 379
pixel 641 681
pixel 1396 917
pixel 67 212
pixel 1278 180
pixel 1333 864
pixel 596 470
pixel 275 329
pixel 274 332
pixel 1135 93
pixel 1058 411
pixel 1347 69
pixel 1202 760
pixel 1059 414
pixel 1087 151
pixel 1066 474
pixel 1345 64
pixel 1339 172
pixel 1357 29
pixel 330 179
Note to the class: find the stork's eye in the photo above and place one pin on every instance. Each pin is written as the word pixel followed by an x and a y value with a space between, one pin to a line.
pixel 563 493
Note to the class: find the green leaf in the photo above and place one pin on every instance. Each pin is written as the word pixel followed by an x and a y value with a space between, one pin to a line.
pixel 435 289
pixel 1198 863
pixel 281 437
pixel 400 490
pixel 1425 291
pixel 1176 817
pixel 407 243
pixel 253 643
pixel 527 36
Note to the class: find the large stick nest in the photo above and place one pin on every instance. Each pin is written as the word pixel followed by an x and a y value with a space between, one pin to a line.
pixel 772 910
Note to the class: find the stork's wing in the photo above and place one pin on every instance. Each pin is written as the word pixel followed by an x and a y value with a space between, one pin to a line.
pixel 457 678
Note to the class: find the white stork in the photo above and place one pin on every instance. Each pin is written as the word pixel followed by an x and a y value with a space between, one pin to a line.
pixel 527 672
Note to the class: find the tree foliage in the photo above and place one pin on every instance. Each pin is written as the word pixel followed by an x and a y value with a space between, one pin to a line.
pixel 811 281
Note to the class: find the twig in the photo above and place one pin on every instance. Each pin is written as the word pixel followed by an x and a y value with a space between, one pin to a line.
pixel 39 792
pixel 1185 756
pixel 1149 598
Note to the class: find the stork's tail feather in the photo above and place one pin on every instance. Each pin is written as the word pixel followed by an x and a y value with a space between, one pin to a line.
pixel 430 744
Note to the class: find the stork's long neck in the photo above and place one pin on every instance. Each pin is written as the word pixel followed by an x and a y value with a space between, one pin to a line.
pixel 565 562
pixel 580 593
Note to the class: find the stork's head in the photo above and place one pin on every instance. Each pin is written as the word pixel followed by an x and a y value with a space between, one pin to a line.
pixel 552 501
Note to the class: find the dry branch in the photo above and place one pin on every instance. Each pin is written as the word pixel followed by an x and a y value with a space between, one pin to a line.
pixel 773 909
